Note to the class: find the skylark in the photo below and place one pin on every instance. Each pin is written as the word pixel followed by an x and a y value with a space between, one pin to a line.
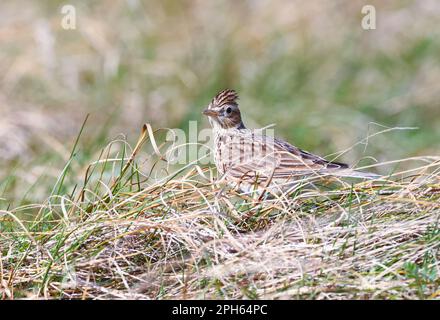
pixel 248 158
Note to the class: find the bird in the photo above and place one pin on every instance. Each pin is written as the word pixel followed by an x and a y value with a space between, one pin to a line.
pixel 250 160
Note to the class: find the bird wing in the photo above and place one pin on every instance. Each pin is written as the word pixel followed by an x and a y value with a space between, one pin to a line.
pixel 249 156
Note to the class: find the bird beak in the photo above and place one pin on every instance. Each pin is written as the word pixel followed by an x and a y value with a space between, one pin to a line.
pixel 210 113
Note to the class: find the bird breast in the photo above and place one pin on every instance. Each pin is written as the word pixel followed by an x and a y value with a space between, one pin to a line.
pixel 244 150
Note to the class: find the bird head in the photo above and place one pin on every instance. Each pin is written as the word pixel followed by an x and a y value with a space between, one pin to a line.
pixel 223 110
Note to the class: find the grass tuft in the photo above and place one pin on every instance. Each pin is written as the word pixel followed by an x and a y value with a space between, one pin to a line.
pixel 140 229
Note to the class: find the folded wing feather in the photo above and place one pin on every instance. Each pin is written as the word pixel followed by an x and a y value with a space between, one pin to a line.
pixel 252 155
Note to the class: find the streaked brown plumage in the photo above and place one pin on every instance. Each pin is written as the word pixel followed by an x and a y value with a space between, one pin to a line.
pixel 248 157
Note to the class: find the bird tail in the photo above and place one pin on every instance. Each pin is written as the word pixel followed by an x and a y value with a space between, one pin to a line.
pixel 350 173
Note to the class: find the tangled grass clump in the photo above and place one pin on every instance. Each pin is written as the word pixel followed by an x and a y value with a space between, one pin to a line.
pixel 131 234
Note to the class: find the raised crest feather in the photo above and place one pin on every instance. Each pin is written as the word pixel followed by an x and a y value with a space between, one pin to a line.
pixel 226 96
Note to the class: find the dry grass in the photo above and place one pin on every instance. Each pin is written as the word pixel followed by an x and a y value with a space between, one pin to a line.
pixel 137 231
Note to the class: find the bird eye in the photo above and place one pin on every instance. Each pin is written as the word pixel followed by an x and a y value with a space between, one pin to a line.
pixel 229 110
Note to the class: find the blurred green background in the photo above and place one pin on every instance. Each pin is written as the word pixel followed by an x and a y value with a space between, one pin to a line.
pixel 307 66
